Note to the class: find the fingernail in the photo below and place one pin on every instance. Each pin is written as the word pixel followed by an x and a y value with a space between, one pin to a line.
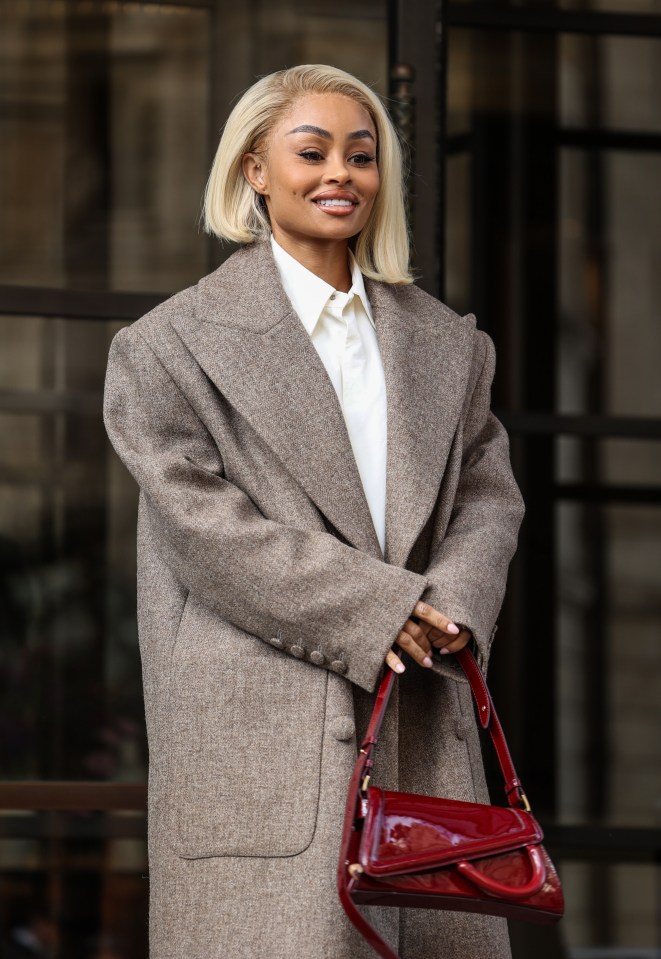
pixel 427 661
pixel 400 667
pixel 452 628
pixel 444 651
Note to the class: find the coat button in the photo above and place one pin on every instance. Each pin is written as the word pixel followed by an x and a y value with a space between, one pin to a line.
pixel 464 728
pixel 317 657
pixel 343 728
pixel 339 666
pixel 297 651
pixel 277 642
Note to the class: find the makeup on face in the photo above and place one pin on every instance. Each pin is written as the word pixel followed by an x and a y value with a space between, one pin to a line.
pixel 319 171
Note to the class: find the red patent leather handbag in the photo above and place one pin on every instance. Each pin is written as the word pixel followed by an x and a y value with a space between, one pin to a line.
pixel 401 849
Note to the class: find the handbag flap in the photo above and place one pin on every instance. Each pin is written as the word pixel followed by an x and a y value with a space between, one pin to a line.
pixel 403 832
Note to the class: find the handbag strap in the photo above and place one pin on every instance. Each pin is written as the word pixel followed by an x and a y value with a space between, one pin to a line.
pixel 488 719
pixel 361 774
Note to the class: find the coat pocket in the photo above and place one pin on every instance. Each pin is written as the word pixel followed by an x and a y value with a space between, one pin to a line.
pixel 246 728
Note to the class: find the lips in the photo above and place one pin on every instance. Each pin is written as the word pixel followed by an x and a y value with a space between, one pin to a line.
pixel 338 202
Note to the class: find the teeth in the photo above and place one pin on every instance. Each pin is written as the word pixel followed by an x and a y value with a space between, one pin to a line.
pixel 334 202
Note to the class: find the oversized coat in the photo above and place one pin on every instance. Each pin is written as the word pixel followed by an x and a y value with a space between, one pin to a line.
pixel 266 607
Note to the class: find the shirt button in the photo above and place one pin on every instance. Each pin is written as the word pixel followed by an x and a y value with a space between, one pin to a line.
pixel 277 641
pixel 317 657
pixel 333 295
pixel 297 651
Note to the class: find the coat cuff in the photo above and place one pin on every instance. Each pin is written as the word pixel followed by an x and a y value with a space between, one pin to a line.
pixel 483 631
pixel 365 660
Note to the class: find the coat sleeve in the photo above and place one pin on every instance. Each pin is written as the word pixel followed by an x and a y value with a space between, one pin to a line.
pixel 314 593
pixel 470 559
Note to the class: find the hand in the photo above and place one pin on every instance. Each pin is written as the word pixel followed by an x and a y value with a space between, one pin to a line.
pixel 417 638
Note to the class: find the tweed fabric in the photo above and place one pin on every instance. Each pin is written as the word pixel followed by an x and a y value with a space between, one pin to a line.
pixel 266 607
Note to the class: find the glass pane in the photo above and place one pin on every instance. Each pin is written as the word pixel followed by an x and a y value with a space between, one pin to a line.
pixel 608 281
pixel 74 884
pixel 459 82
pixel 351 36
pixel 609 660
pixel 610 910
pixel 633 335
pixel 610 337
pixel 615 461
pixel 609 82
pixel 104 144
pixel 71 703
pixel 458 172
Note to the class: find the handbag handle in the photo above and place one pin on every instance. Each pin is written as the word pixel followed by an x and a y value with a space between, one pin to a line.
pixel 488 718
pixel 346 877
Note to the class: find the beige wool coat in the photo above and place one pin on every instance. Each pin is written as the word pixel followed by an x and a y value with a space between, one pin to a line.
pixel 266 607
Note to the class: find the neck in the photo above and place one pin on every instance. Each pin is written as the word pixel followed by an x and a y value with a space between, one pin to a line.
pixel 328 260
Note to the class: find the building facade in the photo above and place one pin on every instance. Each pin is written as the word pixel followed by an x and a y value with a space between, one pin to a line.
pixel 534 139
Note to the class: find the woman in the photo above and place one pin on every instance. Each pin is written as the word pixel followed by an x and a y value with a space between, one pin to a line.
pixel 321 479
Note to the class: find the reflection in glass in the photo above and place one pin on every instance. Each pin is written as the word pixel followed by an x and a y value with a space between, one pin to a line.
pixel 74 883
pixel 609 661
pixel 70 698
pixel 103 144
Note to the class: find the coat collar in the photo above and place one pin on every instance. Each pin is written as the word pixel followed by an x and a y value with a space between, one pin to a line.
pixel 309 294
pixel 258 354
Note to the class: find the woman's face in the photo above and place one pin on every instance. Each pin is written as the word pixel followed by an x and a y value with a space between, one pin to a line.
pixel 318 172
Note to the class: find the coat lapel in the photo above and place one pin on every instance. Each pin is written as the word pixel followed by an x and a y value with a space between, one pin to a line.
pixel 427 352
pixel 257 352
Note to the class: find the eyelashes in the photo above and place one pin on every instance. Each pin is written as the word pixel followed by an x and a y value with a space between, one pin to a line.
pixel 362 159
pixel 359 159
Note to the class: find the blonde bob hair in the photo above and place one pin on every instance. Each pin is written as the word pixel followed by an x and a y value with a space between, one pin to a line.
pixel 234 211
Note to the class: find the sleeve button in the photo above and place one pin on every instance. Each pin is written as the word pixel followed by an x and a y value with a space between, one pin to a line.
pixel 277 642
pixel 297 651
pixel 339 666
pixel 317 657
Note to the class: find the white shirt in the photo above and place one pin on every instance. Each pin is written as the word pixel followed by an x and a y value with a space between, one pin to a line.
pixel 343 333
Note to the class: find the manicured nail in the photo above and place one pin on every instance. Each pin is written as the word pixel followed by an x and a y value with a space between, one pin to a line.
pixel 444 651
pixel 427 661
pixel 452 628
pixel 400 667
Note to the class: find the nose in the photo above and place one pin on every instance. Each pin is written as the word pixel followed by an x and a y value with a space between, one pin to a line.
pixel 337 172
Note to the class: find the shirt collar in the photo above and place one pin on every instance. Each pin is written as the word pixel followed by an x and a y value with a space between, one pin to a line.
pixel 308 293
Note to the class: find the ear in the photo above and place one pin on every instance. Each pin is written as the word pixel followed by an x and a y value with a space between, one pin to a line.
pixel 254 170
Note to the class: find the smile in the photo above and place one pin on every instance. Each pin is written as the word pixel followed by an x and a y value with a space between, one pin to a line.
pixel 336 206
pixel 335 202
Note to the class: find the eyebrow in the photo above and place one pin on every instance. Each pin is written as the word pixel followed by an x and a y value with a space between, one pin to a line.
pixel 318 131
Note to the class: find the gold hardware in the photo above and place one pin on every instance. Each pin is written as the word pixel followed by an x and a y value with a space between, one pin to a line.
pixel 355 870
pixel 526 804
pixel 365 783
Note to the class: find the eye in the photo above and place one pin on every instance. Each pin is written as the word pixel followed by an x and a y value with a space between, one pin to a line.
pixel 362 159
pixel 311 155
